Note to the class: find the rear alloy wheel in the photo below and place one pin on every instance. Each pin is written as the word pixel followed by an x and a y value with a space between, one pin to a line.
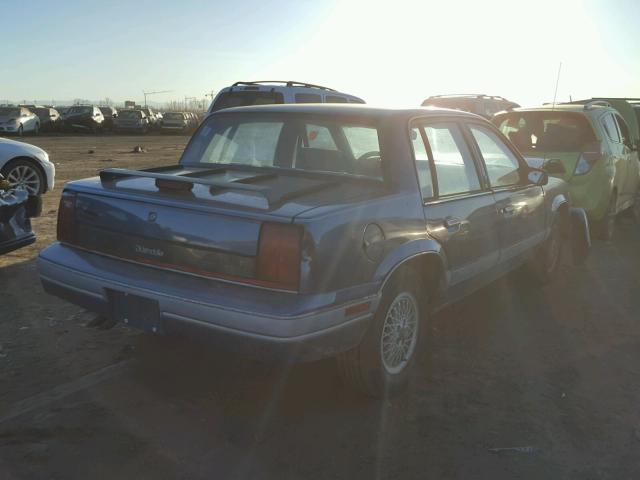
pixel 380 365
pixel 25 174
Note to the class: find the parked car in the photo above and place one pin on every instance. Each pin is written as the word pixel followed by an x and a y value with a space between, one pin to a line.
pixel 26 166
pixel 312 231
pixel 109 114
pixel 130 120
pixel 62 110
pixel 274 91
pixel 484 105
pixel 17 207
pixel 50 119
pixel 18 120
pixel 590 146
pixel 152 118
pixel 178 122
pixel 86 118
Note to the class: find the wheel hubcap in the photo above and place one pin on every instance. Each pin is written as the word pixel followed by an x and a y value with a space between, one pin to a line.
pixel 25 177
pixel 399 333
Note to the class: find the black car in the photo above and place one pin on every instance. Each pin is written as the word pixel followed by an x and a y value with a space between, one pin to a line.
pixel 16 209
pixel 484 105
pixel 84 118
pixel 109 114
pixel 50 119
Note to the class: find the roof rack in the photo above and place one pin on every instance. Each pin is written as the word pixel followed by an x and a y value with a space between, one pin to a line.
pixel 469 95
pixel 596 103
pixel 288 83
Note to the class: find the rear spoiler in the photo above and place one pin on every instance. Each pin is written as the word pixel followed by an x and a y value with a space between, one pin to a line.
pixel 172 180
pixel 186 181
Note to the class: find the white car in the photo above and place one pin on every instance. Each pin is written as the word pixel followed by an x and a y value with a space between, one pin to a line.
pixel 27 166
pixel 242 94
pixel 18 120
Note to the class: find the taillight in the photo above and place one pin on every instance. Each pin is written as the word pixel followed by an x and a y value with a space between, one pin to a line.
pixel 279 253
pixel 588 158
pixel 66 218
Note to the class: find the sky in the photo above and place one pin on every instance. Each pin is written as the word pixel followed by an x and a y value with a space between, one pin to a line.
pixel 389 52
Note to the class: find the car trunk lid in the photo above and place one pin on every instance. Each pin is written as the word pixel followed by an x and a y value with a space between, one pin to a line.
pixel 204 221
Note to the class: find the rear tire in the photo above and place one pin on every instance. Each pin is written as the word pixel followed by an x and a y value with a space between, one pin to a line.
pixel 381 364
pixel 544 266
pixel 605 227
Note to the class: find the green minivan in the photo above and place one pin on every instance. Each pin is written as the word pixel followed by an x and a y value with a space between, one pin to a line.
pixel 592 144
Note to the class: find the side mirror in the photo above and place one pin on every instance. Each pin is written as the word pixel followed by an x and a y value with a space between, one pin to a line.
pixel 538 177
pixel 554 166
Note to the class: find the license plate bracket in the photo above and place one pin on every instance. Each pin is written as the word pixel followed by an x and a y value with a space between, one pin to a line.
pixel 135 311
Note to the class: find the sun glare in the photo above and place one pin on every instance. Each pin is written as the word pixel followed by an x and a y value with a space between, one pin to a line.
pixel 401 52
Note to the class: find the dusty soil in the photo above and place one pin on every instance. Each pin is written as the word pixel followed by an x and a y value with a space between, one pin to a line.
pixel 556 370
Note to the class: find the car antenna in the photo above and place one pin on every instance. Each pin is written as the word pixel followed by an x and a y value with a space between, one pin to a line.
pixel 555 93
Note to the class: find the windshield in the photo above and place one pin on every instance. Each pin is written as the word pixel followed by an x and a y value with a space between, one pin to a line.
pixel 83 110
pixel 321 144
pixel 546 131
pixel 246 98
pixel 130 114
pixel 9 112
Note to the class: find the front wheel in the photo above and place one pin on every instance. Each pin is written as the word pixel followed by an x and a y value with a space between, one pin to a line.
pixel 25 174
pixel 380 365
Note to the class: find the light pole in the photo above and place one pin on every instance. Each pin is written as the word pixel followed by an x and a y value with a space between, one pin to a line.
pixel 153 93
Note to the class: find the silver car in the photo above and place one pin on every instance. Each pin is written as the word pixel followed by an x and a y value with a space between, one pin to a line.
pixel 26 166
pixel 18 120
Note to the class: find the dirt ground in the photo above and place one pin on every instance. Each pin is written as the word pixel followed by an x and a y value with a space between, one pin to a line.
pixel 554 370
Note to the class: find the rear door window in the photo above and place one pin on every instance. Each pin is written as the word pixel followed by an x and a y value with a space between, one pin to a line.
pixel 623 129
pixel 335 99
pixel 610 128
pixel 421 158
pixel 455 169
pixel 503 168
pixel 308 98
pixel 246 98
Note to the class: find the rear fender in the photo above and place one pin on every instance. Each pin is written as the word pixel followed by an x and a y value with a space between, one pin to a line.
pixel 580 236
pixel 410 252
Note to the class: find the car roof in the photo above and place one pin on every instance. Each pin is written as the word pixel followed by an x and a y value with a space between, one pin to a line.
pixel 362 110
pixel 561 107
pixel 283 86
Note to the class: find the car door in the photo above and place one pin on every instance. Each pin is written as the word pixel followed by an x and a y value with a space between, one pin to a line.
pixel 617 154
pixel 460 212
pixel 629 157
pixel 520 204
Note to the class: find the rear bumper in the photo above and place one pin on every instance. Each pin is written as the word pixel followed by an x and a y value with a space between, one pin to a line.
pixel 231 317
pixel 15 244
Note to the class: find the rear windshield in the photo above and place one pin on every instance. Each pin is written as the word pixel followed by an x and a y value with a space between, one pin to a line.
pixel 546 131
pixel 130 114
pixel 288 141
pixel 80 110
pixel 10 112
pixel 173 116
pixel 246 98
pixel 465 104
